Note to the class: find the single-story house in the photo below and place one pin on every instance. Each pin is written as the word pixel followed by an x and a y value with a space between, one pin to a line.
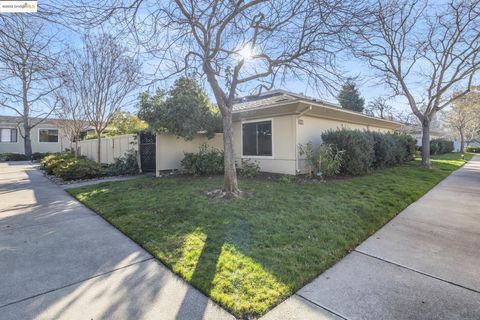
pixel 47 136
pixel 269 127
pixel 415 130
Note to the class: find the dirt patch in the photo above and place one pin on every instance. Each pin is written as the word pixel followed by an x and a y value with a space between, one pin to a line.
pixel 224 195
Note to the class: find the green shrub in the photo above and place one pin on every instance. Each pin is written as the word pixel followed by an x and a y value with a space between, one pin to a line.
pixel 13 157
pixel 208 161
pixel 441 146
pixel 434 147
pixel 407 147
pixel 39 155
pixel 50 162
pixel 365 150
pixel 249 168
pixel 358 146
pixel 125 165
pixel 286 179
pixel 473 149
pixel 322 161
pixel 78 168
pixel 387 150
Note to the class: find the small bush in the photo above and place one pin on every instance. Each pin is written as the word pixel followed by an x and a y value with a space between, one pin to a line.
pixel 13 157
pixel 125 165
pixel 78 168
pixel 359 150
pixel 473 149
pixel 323 161
pixel 39 155
pixel 286 179
pixel 249 168
pixel 49 163
pixel 441 146
pixel 208 161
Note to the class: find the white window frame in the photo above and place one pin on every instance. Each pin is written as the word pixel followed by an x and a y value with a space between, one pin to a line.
pixel 241 139
pixel 38 133
pixel 16 129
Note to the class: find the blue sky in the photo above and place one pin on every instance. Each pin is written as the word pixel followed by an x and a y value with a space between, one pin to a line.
pixel 367 84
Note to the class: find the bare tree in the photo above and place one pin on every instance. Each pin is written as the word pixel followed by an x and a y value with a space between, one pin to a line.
pixel 424 52
pixel 380 108
pixel 464 117
pixel 237 46
pixel 28 74
pixel 103 75
pixel 71 114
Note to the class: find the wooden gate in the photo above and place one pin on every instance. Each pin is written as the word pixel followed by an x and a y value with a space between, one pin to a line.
pixel 147 151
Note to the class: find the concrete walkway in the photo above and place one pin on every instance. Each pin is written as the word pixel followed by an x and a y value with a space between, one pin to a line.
pixel 424 264
pixel 59 260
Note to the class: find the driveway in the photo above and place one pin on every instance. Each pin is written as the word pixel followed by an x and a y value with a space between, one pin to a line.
pixel 424 264
pixel 59 260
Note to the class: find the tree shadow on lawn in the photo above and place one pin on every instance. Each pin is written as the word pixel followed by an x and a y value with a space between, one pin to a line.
pixel 249 255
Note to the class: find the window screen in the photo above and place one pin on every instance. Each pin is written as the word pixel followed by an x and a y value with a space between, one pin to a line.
pixel 48 135
pixel 257 138
pixel 8 135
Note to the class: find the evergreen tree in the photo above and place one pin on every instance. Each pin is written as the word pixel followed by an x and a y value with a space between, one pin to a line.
pixel 184 110
pixel 350 98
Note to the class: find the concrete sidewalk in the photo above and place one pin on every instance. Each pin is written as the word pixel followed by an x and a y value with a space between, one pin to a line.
pixel 424 264
pixel 59 260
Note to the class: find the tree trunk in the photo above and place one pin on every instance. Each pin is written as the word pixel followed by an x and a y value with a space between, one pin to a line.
pixel 230 178
pixel 426 144
pixel 26 114
pixel 27 142
pixel 99 140
pixel 462 141
pixel 76 147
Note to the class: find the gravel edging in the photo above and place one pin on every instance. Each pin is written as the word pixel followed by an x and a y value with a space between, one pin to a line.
pixel 64 184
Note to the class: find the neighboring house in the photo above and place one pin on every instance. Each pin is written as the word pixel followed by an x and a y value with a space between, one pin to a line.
pixel 415 130
pixel 474 143
pixel 45 137
pixel 268 128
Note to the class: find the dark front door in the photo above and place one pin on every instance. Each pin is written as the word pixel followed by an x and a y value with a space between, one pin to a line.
pixel 147 151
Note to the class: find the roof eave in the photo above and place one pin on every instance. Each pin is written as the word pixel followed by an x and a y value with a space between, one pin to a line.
pixel 296 109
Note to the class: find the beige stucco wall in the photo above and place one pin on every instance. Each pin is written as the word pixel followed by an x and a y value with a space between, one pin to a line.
pixel 110 148
pixel 170 149
pixel 18 147
pixel 313 127
pixel 283 145
pixel 286 135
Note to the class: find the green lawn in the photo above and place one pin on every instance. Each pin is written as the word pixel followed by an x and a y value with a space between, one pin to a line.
pixel 249 255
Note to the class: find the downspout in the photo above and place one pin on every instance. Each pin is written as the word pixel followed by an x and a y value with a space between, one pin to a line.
pixel 297 170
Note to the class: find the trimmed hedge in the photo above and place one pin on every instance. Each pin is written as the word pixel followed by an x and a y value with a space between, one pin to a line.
pixel 40 155
pixel 359 150
pixel 13 157
pixel 473 149
pixel 68 167
pixel 441 146
pixel 365 150
pixel 78 168
pixel 51 162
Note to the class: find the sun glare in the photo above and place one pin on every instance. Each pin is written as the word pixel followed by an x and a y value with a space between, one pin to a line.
pixel 246 53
